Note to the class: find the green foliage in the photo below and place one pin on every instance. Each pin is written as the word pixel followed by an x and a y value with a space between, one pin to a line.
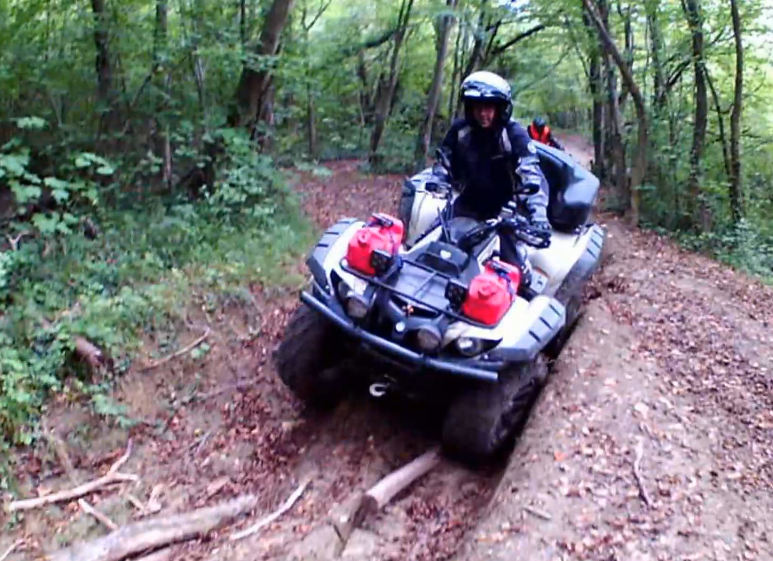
pixel 137 277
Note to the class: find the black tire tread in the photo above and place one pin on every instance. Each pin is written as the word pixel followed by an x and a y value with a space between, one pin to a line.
pixel 307 357
pixel 470 427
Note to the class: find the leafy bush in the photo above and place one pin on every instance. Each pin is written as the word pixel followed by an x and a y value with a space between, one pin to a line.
pixel 134 278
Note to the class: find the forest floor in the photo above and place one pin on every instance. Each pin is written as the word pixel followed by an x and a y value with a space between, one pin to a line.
pixel 670 369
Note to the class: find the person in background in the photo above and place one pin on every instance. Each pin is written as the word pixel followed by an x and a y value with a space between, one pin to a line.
pixel 539 130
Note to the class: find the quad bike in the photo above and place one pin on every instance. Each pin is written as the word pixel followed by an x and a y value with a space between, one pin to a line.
pixel 424 308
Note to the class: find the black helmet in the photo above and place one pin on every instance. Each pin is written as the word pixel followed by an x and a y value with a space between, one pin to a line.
pixel 539 122
pixel 483 85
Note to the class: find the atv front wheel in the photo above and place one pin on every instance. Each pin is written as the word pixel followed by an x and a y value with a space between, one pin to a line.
pixel 479 423
pixel 309 359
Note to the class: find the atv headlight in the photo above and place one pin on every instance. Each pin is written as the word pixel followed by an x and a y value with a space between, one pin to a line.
pixel 469 346
pixel 472 346
pixel 429 338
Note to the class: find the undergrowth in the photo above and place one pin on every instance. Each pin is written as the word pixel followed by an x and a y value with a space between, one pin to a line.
pixel 135 278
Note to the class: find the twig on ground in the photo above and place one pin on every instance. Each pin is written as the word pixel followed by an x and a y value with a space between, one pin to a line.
pixel 112 476
pixel 237 386
pixel 64 458
pixel 181 352
pixel 157 532
pixel 287 505
pixel 11 549
pixel 538 513
pixel 88 509
pixel 136 503
pixel 637 474
pixel 202 442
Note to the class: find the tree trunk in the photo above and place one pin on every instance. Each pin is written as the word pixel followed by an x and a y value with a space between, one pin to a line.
pixel 617 165
pixel 387 90
pixel 629 49
pixel 161 136
pixel 243 22
pixel 736 181
pixel 254 84
pixel 433 97
pixel 103 66
pixel 656 51
pixel 721 123
pixel 699 209
pixel 596 87
pixel 461 36
pixel 640 161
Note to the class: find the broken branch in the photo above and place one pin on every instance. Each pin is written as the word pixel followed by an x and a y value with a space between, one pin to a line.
pixel 637 475
pixel 112 476
pixel 64 459
pixel 157 532
pixel 381 493
pixel 11 549
pixel 84 349
pixel 538 513
pixel 287 505
pixel 181 352
pixel 88 509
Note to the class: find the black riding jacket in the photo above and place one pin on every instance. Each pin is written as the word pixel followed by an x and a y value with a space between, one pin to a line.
pixel 487 164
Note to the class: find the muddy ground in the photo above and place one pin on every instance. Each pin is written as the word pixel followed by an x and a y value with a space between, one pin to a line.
pixel 672 359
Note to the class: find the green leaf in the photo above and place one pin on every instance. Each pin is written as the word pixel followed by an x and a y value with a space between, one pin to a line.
pixel 56 183
pixel 60 195
pixel 16 164
pixel 31 123
pixel 105 170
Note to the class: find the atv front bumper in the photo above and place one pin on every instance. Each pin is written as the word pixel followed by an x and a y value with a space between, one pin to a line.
pixel 477 369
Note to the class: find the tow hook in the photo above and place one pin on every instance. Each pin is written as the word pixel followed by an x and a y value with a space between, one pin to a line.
pixel 379 389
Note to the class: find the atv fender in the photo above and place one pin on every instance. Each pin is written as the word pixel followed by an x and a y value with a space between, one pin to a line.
pixel 529 333
pixel 330 249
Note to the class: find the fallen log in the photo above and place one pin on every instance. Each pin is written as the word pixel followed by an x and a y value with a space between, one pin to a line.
pixel 84 349
pixel 378 496
pixel 160 555
pixel 154 533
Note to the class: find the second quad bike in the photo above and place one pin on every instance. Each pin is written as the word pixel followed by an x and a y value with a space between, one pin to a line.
pixel 422 306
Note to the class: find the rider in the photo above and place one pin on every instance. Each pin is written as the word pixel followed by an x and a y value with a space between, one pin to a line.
pixel 540 131
pixel 489 153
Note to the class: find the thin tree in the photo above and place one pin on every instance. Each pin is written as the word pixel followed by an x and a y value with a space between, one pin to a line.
pixel 640 160
pixel 443 30
pixel 736 179
pixel 700 215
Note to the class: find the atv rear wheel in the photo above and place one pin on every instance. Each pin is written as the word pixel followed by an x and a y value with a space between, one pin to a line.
pixel 309 359
pixel 479 423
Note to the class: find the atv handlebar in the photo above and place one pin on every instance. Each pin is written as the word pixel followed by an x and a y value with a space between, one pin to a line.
pixel 518 225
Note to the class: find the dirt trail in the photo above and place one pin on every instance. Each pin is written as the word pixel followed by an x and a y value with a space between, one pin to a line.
pixel 673 353
pixel 671 359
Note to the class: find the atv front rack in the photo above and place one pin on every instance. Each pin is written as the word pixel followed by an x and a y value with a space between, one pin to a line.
pixel 484 370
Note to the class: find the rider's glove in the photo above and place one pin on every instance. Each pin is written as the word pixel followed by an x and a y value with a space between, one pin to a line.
pixel 540 222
